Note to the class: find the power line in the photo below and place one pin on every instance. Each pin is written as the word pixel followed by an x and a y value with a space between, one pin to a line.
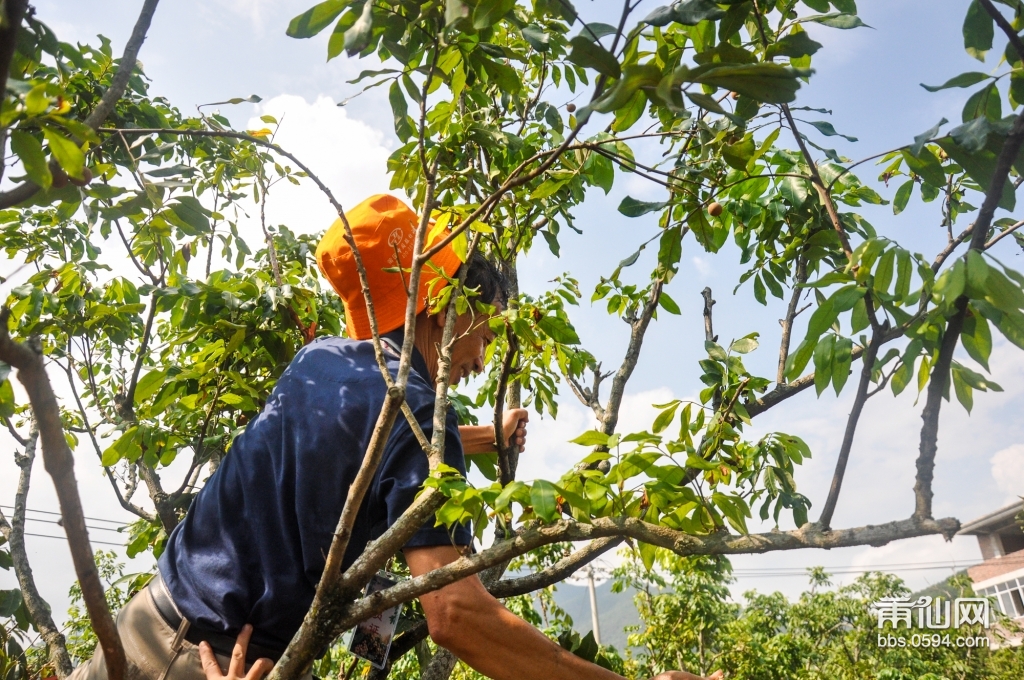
pixel 60 524
pixel 50 512
pixel 62 538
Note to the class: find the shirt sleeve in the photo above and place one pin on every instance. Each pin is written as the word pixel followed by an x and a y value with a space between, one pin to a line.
pixel 405 468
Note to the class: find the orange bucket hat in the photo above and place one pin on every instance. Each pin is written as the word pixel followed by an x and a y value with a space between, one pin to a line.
pixel 384 229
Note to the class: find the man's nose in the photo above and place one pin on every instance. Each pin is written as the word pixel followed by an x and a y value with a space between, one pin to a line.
pixel 478 364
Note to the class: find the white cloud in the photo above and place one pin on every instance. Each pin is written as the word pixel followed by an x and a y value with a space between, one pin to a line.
pixel 348 155
pixel 1008 471
pixel 702 266
pixel 548 452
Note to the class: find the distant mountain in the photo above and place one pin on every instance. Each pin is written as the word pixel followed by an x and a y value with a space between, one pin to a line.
pixel 615 611
pixel 941 589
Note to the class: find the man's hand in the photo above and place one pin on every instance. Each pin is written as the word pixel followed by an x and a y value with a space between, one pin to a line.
pixel 683 675
pixel 513 424
pixel 480 438
pixel 236 667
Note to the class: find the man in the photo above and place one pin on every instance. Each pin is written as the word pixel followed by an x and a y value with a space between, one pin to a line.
pixel 247 558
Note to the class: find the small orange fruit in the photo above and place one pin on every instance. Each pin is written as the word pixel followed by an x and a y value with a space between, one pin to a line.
pixel 715 209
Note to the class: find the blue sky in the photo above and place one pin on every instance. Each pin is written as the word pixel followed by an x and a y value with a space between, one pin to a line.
pixel 201 51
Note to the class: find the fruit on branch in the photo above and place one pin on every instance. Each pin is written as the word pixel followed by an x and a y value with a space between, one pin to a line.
pixel 570 107
pixel 86 178
pixel 715 209
pixel 60 178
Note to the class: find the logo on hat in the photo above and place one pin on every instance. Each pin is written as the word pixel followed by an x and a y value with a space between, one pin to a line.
pixel 395 237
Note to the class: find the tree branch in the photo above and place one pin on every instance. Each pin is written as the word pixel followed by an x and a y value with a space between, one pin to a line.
pixel 557 572
pixel 819 185
pixel 851 426
pixel 59 462
pixel 719 543
pixel 1004 26
pixel 638 328
pixel 118 84
pixel 940 371
pixel 787 322
pixel 38 610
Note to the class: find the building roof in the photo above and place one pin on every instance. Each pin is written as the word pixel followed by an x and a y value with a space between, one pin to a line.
pixel 993 522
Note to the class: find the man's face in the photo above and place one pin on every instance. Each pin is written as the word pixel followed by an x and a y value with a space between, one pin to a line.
pixel 473 336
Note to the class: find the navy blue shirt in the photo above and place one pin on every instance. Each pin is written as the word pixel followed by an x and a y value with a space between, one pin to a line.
pixel 253 545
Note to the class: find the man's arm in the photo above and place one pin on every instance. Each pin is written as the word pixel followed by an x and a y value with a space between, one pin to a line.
pixel 480 438
pixel 468 621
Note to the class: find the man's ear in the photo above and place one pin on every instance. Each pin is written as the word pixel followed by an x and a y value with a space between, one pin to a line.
pixel 439 318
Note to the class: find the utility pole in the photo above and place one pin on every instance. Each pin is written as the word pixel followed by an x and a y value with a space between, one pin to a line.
pixel 593 605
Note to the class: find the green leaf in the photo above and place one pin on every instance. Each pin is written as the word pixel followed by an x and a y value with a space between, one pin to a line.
pixel 358 37
pixel 400 109
pixel 826 128
pixel 190 211
pixel 964 392
pixel 823 362
pixel 30 152
pixel 626 116
pixel 10 600
pixel 538 39
pixel 927 165
pixel 899 202
pixel 544 499
pixel 648 554
pixel 631 207
pixel 977 338
pixel 985 102
pixel 692 12
pixel 794 46
pixel 660 16
pixel 715 351
pixel 455 10
pixel 7 403
pixel 904 270
pixel 842 358
pixel 664 419
pixel 589 54
pixel 859 318
pixel 797 360
pixel 884 271
pixel 66 152
pixel 591 438
pixel 980 166
pixel 744 345
pixel 316 19
pixel 668 304
pixel 488 12
pixel 962 80
pixel 837 20
pixel 149 384
pixel 764 82
pixel 558 330
pixel 978 31
pixel 921 139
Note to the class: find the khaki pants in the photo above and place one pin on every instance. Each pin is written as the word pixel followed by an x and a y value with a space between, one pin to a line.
pixel 151 648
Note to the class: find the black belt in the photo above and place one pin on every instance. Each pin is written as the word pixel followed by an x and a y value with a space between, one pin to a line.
pixel 221 643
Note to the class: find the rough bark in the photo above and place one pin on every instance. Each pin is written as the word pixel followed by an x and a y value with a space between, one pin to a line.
pixel 59 463
pixel 38 610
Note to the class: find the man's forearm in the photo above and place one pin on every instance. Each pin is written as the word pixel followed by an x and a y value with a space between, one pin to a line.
pixel 497 643
pixel 477 439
